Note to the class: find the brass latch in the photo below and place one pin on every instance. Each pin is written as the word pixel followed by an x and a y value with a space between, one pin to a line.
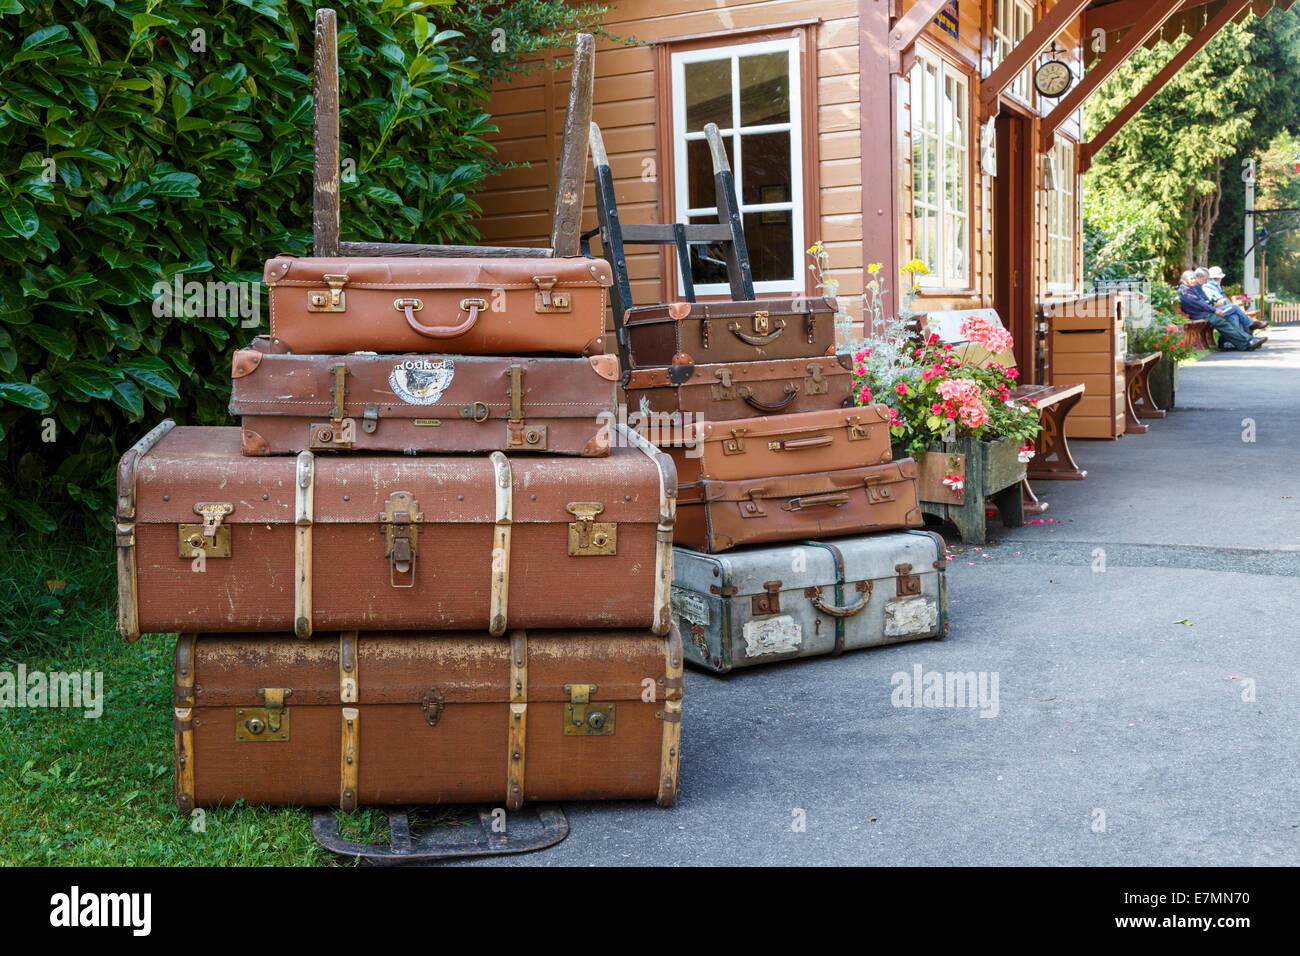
pixel 908 583
pixel 269 724
pixel 545 300
pixel 335 300
pixel 518 434
pixel 735 445
pixel 587 536
pixel 857 430
pixel 582 718
pixel 212 537
pixel 761 323
pixel 817 384
pixel 370 418
pixel 725 391
pixel 401 524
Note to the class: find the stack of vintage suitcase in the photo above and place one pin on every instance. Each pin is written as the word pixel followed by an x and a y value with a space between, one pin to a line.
pixel 430 567
pixel 773 459
pixel 413 577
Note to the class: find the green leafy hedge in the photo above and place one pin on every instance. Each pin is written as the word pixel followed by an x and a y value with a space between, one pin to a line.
pixel 142 141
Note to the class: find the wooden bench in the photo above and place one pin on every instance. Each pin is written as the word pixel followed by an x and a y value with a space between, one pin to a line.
pixel 1052 458
pixel 1138 403
pixel 1198 334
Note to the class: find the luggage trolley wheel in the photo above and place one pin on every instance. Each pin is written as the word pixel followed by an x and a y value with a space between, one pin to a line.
pixel 524 831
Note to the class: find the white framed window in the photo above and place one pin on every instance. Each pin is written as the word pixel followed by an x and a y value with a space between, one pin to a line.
pixel 1060 219
pixel 941 171
pixel 1012 21
pixel 752 92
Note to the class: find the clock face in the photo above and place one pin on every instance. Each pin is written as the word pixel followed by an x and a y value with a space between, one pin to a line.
pixel 1053 78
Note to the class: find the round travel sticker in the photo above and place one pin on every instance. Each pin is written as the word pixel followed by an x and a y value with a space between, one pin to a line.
pixel 421 381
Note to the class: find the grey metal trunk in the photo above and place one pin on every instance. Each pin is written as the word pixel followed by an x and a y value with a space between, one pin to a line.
pixel 757 605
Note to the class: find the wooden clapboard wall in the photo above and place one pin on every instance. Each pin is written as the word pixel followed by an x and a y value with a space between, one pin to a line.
pixel 632 108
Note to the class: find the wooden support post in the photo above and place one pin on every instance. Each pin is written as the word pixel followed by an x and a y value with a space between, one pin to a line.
pixel 908 27
pixel 877 104
pixel 325 137
pixel 566 219
pixel 1193 46
pixel 1111 60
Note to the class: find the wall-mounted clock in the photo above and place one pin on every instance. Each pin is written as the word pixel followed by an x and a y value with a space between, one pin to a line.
pixel 1053 78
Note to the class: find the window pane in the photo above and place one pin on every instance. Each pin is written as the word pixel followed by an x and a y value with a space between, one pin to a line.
pixel 708 262
pixel 957 253
pixel 930 99
pixel 700 192
pixel 765 89
pixel 769 237
pixel 766 173
pixel 708 94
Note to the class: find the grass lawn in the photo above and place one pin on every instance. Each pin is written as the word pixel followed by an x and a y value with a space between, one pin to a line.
pixel 95 792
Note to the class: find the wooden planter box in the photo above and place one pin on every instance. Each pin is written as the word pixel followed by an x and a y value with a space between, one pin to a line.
pixel 1163 382
pixel 991 469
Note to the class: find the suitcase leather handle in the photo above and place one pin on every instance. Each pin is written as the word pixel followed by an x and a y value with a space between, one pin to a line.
pixel 473 306
pixel 816 441
pixel 751 401
pixel 751 339
pixel 834 500
pixel 837 610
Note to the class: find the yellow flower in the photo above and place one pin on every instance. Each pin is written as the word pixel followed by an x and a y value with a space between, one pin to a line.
pixel 874 267
pixel 815 248
pixel 916 266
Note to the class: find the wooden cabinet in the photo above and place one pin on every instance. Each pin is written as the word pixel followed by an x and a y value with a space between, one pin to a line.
pixel 1088 344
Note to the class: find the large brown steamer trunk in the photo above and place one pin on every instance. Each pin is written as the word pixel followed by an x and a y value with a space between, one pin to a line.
pixel 797 444
pixel 390 719
pixel 422 403
pixel 211 540
pixel 713 516
pixel 718 332
pixel 488 306
pixel 742 389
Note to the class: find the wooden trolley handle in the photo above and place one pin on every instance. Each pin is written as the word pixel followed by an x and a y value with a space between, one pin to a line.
pixel 473 306
pixel 770 406
pixel 750 339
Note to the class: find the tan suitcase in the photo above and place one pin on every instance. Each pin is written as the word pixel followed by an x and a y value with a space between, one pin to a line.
pixel 505 306
pixel 797 444
pixel 390 719
pixel 740 389
pixel 209 539
pixel 716 515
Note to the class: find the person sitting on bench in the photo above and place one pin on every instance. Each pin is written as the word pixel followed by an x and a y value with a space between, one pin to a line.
pixel 1193 301
pixel 1214 292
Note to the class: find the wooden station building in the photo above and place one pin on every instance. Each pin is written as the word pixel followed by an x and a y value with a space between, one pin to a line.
pixel 888 129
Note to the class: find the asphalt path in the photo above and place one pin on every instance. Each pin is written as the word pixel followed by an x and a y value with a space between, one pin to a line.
pixel 1144 640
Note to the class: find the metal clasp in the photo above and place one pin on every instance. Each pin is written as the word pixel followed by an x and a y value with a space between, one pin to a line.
pixel 908 583
pixel 582 718
pixel 587 536
pixel 269 724
pixel 735 445
pixel 335 300
pixel 401 524
pixel 211 537
pixel 545 300
pixel 817 384
pixel 761 323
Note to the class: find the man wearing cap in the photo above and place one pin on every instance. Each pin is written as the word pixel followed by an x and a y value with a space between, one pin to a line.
pixel 1192 299
pixel 1209 280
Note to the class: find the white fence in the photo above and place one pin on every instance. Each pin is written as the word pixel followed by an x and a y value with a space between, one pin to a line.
pixel 1284 313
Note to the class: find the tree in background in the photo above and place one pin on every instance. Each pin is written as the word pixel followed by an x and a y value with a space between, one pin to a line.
pixel 1158 189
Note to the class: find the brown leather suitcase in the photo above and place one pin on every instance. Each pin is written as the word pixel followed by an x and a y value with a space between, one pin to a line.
pixel 211 540
pixel 505 306
pixel 713 516
pixel 717 332
pixel 741 389
pixel 777 445
pixel 382 719
pixel 422 403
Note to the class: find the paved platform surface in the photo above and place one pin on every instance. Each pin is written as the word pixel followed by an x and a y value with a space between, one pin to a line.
pixel 1124 731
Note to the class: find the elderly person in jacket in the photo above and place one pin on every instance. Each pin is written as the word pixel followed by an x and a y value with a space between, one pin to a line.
pixel 1193 301
pixel 1208 281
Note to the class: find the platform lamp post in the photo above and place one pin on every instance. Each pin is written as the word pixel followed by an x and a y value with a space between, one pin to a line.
pixel 1249 282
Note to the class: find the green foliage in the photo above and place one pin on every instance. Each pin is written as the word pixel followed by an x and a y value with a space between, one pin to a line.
pixel 144 143
pixel 1166 174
